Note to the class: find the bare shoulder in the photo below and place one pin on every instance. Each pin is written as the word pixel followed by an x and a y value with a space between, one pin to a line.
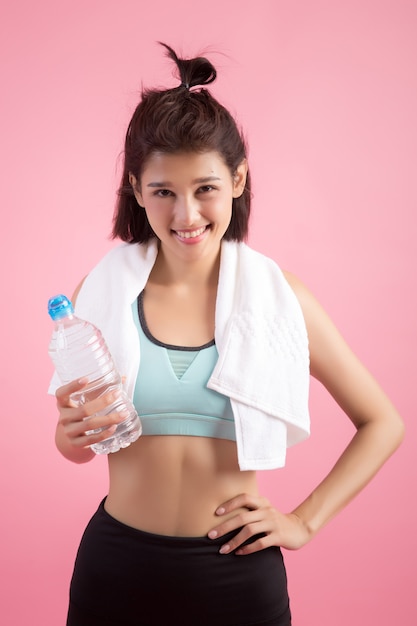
pixel 325 340
pixel 77 291
pixel 295 283
pixel 329 352
pixel 305 297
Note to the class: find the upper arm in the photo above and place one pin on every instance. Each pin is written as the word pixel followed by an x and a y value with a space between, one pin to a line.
pixel 335 365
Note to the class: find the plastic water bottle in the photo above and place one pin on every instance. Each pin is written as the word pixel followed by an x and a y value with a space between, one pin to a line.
pixel 78 350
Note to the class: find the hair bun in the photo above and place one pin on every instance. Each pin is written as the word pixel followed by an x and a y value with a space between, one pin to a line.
pixel 193 72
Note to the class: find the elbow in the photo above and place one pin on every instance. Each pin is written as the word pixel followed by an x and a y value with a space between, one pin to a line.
pixel 399 432
pixel 388 431
pixel 395 432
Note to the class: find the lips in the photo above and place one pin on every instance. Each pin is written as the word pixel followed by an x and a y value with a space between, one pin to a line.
pixel 190 234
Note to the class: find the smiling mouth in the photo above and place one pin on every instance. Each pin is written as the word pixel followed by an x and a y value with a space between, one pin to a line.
pixel 190 234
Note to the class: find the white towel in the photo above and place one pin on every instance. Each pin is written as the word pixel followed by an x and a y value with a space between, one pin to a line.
pixel 260 335
pixel 263 363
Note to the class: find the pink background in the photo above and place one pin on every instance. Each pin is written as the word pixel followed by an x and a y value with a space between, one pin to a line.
pixel 327 93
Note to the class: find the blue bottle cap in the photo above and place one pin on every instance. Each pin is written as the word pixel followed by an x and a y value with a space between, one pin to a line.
pixel 59 306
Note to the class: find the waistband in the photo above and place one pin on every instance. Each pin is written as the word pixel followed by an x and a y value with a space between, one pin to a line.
pixel 166 541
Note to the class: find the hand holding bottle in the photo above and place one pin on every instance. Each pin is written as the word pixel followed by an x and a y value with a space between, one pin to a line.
pixel 77 348
pixel 85 425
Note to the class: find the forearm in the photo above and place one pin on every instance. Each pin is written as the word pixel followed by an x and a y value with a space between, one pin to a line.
pixel 371 446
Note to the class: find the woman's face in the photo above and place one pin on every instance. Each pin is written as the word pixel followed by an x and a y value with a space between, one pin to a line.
pixel 188 198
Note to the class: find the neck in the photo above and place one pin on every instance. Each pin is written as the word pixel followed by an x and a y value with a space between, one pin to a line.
pixel 202 272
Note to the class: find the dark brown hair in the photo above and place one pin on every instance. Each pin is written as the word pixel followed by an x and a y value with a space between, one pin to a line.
pixel 182 119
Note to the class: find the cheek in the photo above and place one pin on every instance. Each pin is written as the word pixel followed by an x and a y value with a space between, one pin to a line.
pixel 222 216
pixel 152 217
pixel 158 213
pixel 224 209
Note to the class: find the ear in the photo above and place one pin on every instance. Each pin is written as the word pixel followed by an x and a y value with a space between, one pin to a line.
pixel 134 183
pixel 239 179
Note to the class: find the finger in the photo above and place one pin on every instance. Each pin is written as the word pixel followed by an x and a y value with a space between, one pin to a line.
pixel 89 438
pixel 101 404
pixel 84 431
pixel 251 533
pixel 98 422
pixel 240 520
pixel 256 546
pixel 78 422
pixel 64 392
pixel 243 500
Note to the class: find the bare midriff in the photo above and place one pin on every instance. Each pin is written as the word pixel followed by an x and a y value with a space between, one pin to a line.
pixel 172 485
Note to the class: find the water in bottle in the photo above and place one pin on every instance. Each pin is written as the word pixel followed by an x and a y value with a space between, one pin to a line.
pixel 78 350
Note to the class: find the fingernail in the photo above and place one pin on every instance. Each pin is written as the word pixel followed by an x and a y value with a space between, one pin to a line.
pixel 224 549
pixel 220 510
pixel 213 534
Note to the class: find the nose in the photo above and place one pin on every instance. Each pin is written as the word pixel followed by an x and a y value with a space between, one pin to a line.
pixel 186 210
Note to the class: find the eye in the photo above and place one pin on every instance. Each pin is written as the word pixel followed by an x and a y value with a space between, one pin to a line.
pixel 205 189
pixel 163 193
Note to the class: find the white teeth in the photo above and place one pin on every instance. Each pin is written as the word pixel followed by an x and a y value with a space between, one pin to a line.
pixel 188 234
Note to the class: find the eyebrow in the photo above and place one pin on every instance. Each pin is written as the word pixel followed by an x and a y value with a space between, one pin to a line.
pixel 200 181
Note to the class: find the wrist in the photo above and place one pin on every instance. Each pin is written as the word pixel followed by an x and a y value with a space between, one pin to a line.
pixel 308 522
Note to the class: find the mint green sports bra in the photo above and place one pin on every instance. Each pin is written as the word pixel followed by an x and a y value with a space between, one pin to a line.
pixel 171 396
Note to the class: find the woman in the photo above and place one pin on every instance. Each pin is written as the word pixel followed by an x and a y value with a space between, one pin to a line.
pixel 212 339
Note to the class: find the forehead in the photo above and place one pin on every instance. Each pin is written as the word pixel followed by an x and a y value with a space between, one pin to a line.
pixel 184 166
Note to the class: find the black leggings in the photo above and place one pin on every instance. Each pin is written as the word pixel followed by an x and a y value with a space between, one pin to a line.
pixel 127 577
